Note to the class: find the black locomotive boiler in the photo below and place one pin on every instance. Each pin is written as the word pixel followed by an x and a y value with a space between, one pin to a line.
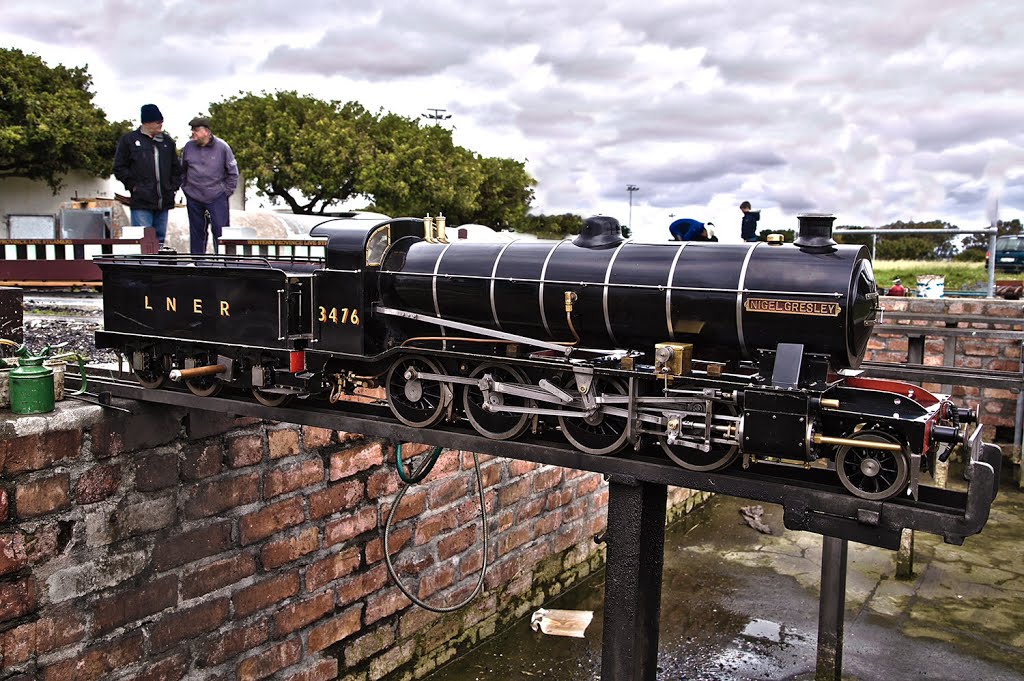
pixel 710 352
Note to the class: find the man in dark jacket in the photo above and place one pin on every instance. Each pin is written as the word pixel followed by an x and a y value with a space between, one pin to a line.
pixel 146 163
pixel 210 177
pixel 748 229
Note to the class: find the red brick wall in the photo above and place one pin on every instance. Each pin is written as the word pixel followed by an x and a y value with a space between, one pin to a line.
pixel 997 407
pixel 174 545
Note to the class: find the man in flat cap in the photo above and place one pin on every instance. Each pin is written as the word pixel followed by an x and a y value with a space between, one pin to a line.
pixel 146 163
pixel 211 176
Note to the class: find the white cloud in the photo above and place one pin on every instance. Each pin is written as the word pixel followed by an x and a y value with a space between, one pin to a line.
pixel 908 109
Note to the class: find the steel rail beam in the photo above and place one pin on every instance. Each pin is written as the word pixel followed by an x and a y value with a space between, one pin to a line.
pixel 811 499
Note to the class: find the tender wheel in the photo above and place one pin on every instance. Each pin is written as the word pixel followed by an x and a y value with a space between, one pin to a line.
pixel 204 386
pixel 717 458
pixel 153 375
pixel 600 433
pixel 268 399
pixel 873 474
pixel 495 423
pixel 414 401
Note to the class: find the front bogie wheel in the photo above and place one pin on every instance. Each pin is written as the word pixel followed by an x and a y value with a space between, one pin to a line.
pixel 877 471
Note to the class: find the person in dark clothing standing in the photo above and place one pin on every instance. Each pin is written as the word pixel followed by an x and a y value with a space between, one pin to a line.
pixel 210 178
pixel 146 163
pixel 748 229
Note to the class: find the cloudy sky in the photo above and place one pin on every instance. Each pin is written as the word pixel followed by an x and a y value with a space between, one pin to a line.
pixel 873 111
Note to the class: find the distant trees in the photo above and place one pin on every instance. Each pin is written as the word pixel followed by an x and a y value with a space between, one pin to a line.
pixel 49 125
pixel 553 226
pixel 314 154
pixel 908 246
pixel 976 245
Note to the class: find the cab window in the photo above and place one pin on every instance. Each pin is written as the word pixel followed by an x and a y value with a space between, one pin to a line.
pixel 377 244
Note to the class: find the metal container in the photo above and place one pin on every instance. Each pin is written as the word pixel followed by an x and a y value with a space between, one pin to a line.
pixel 31 387
pixel 59 367
pixel 5 385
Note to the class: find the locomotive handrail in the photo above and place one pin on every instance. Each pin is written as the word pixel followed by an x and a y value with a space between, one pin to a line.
pixel 253 261
pixel 650 287
pixel 472 328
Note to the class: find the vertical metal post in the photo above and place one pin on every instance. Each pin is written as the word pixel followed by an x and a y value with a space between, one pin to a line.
pixel 831 609
pixel 992 261
pixel 1017 425
pixel 652 561
pixel 632 599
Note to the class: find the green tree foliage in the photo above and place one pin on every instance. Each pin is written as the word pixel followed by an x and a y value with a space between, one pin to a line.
pixel 939 246
pixel 49 125
pixel 304 151
pixel 314 154
pixel 788 235
pixel 552 226
pixel 976 245
pixel 506 192
pixel 414 170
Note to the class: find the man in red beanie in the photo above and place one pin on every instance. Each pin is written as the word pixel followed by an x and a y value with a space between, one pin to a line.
pixel 146 163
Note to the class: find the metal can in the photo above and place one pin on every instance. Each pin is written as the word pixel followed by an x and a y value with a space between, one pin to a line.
pixel 31 387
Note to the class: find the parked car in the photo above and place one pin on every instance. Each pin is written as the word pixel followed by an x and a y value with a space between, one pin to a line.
pixel 1009 253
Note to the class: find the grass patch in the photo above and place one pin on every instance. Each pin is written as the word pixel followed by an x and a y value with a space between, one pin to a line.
pixel 959 275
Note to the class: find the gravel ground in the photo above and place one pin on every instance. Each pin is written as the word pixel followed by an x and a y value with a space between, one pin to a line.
pixel 75 327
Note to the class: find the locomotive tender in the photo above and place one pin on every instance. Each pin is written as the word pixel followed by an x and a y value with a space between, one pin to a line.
pixel 710 351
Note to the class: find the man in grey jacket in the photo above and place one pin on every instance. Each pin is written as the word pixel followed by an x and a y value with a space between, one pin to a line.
pixel 210 177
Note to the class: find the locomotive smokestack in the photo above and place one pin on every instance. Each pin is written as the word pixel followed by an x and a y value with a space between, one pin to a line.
pixel 816 233
pixel 599 231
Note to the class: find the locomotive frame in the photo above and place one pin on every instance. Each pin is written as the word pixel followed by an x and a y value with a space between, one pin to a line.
pixel 544 336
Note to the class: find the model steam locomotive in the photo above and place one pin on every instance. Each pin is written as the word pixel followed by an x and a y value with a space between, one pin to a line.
pixel 710 351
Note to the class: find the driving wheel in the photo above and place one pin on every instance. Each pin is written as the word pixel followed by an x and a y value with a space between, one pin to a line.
pixel 417 402
pixel 597 433
pixel 490 419
pixel 718 457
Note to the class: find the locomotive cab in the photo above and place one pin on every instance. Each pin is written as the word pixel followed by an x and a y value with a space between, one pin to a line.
pixel 345 290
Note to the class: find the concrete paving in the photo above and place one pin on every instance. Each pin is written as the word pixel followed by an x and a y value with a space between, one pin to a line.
pixel 738 604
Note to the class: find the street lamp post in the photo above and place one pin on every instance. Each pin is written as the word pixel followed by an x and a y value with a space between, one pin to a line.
pixel 631 188
pixel 437 115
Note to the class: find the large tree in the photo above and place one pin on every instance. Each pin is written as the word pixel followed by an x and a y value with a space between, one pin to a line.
pixel 314 154
pixel 417 169
pixel 506 192
pixel 304 151
pixel 49 125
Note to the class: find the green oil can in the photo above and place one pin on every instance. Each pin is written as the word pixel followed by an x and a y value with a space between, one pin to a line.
pixel 31 387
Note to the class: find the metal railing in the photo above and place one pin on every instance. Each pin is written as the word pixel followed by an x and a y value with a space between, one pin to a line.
pixel 948 374
pixel 991 231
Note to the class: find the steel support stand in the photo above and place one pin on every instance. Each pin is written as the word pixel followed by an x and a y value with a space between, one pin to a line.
pixel 831 608
pixel 632 585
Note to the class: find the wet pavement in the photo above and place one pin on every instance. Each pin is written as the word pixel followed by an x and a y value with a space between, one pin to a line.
pixel 737 604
